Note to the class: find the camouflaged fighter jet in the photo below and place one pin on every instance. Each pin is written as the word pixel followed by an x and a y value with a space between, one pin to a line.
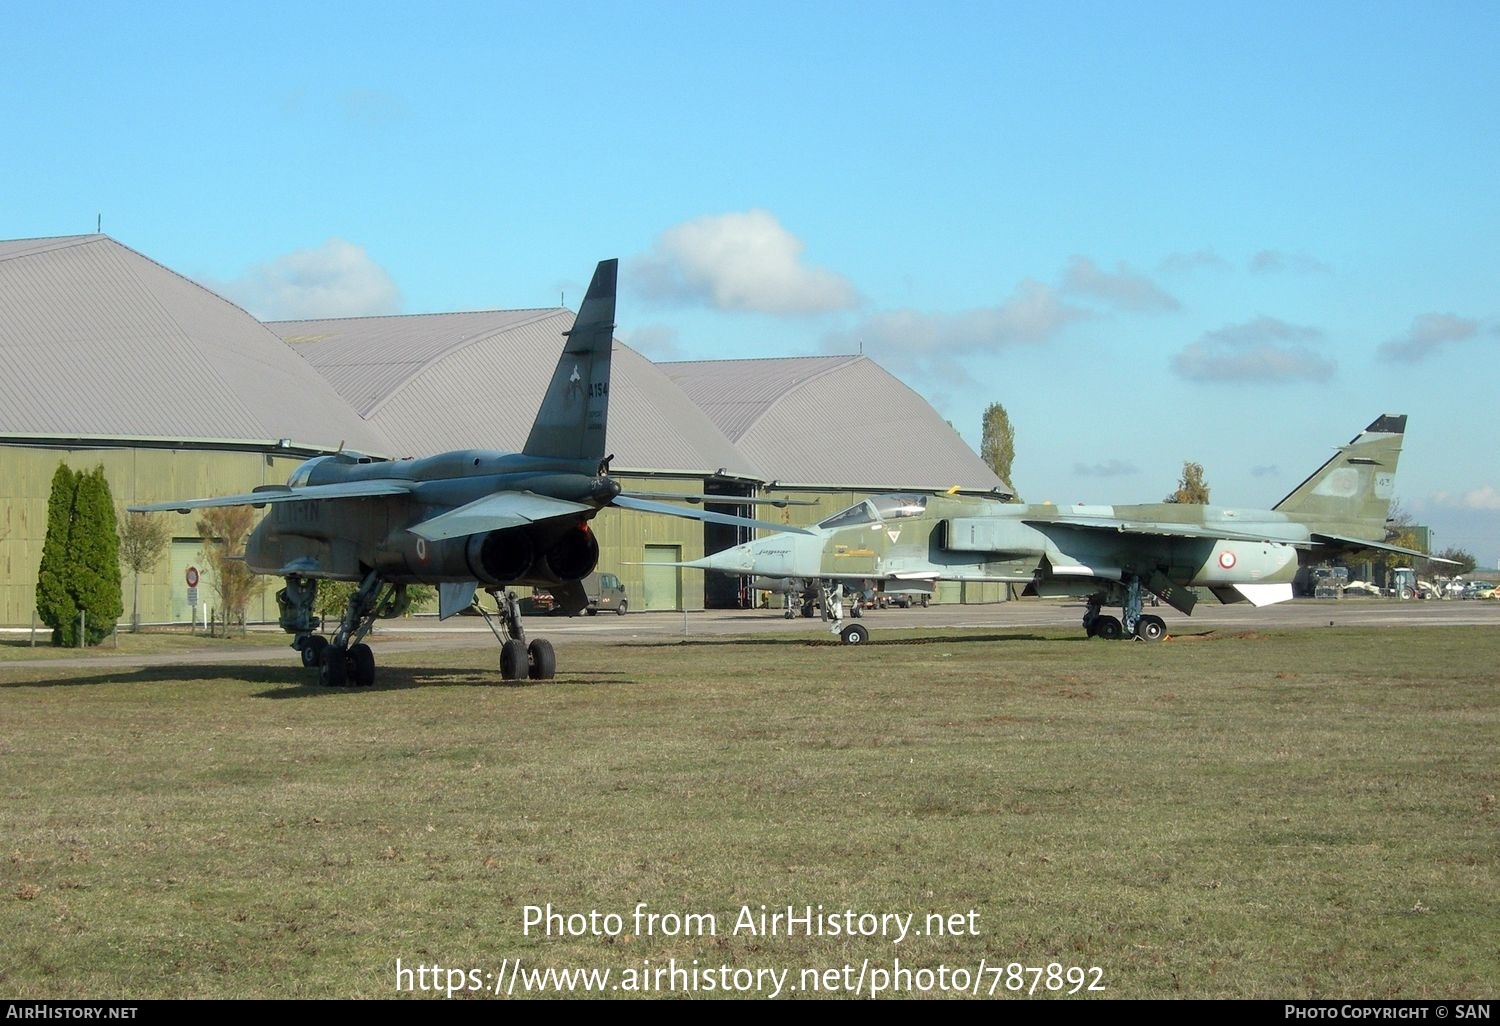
pixel 461 520
pixel 1112 555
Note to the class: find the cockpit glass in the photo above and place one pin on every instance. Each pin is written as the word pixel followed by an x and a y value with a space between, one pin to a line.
pixel 881 507
pixel 892 507
pixel 859 513
pixel 304 471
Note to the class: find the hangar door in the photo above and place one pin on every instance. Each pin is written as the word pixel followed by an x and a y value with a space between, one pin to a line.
pixel 663 584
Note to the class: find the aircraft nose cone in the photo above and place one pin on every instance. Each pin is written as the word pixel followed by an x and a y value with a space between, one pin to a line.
pixel 734 560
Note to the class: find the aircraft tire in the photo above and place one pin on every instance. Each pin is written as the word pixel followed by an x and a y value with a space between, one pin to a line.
pixel 1151 628
pixel 361 666
pixel 593 610
pixel 1108 628
pixel 512 660
pixel 312 651
pixel 854 634
pixel 541 660
pixel 335 672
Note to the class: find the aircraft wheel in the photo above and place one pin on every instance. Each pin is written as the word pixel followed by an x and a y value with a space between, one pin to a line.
pixel 335 667
pixel 312 651
pixel 621 607
pixel 593 610
pixel 541 661
pixel 788 615
pixel 1108 628
pixel 361 666
pixel 512 660
pixel 854 634
pixel 855 613
pixel 1151 628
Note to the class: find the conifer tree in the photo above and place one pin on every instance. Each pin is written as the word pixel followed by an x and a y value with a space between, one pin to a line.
pixel 94 557
pixel 54 600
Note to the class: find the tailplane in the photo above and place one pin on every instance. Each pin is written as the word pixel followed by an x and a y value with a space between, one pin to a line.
pixel 1351 493
pixel 575 410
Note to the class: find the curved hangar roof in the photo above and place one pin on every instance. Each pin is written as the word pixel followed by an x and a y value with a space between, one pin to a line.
pixel 883 434
pixel 434 382
pixel 98 340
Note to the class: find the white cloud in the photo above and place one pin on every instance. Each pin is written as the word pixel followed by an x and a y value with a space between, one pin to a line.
pixel 1124 288
pixel 336 279
pixel 1274 261
pixel 1033 315
pixel 1486 498
pixel 1201 259
pixel 743 261
pixel 657 342
pixel 1263 350
pixel 1427 334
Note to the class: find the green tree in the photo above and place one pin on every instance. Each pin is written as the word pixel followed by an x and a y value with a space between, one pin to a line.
pixel 94 557
pixel 224 530
pixel 997 446
pixel 54 601
pixel 1191 488
pixel 143 539
pixel 333 599
pixel 1464 558
pixel 80 569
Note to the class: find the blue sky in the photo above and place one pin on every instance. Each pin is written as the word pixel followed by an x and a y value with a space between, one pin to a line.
pixel 1156 232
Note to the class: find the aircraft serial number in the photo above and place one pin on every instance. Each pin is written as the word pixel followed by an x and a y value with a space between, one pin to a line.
pixel 599 389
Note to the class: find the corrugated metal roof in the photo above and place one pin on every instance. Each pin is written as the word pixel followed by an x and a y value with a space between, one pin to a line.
pixel 832 421
pixel 435 382
pixel 97 339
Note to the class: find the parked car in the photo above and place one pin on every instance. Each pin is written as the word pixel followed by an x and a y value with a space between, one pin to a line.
pixel 604 591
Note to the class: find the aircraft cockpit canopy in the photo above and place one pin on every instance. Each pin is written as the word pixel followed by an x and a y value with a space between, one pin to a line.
pixel 303 473
pixel 879 508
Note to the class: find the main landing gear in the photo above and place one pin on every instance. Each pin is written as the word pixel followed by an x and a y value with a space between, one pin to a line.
pixel 1132 624
pixel 344 660
pixel 518 660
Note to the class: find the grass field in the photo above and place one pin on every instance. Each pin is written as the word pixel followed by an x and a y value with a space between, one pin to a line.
pixel 1274 815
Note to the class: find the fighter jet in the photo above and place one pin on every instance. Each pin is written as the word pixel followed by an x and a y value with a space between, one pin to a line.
pixel 460 520
pixel 1115 555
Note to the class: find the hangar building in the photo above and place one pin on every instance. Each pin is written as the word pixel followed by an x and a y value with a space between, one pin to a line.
pixel 112 358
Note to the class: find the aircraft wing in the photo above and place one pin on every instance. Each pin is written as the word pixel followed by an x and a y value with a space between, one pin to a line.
pixel 725 500
pixel 1364 543
pixel 644 506
pixel 1161 530
pixel 279 493
pixel 495 512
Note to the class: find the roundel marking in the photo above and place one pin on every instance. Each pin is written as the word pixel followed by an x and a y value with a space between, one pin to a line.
pixel 422 549
pixel 1227 560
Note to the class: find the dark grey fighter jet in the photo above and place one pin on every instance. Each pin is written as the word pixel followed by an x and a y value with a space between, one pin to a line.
pixel 460 520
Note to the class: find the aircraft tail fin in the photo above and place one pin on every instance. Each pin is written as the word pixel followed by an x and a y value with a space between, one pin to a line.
pixel 1354 488
pixel 575 410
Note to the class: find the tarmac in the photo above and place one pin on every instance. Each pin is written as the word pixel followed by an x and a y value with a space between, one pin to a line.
pixel 424 632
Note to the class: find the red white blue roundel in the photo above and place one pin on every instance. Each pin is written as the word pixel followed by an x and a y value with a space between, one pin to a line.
pixel 1227 560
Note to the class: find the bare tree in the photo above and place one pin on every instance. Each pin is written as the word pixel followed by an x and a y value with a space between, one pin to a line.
pixel 1191 488
pixel 224 530
pixel 143 539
